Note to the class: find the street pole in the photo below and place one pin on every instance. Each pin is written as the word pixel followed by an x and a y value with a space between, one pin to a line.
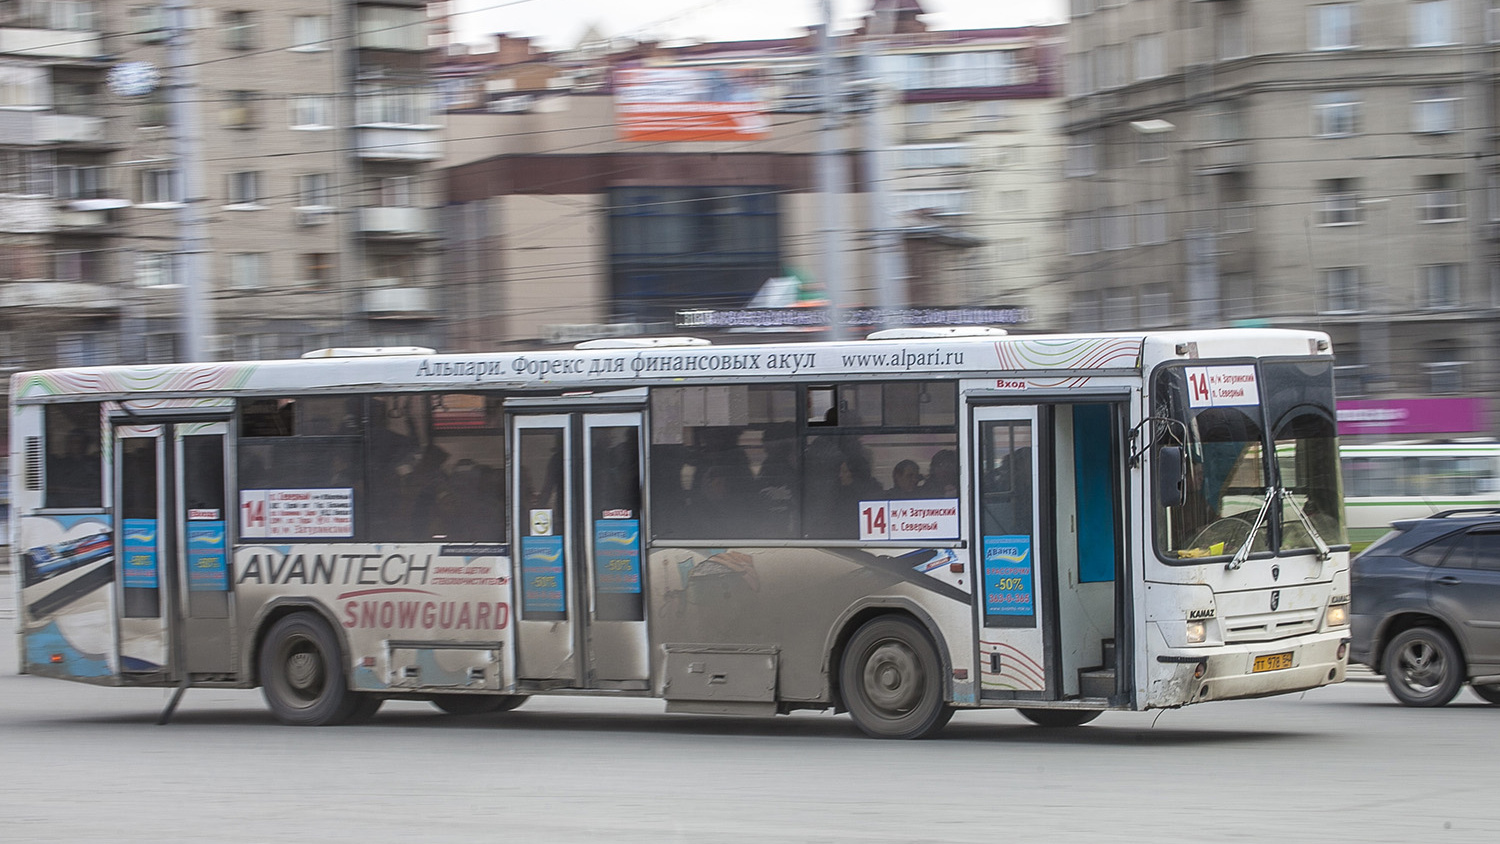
pixel 832 177
pixel 196 317
pixel 890 259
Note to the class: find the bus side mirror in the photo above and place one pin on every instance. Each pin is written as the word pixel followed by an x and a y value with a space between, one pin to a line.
pixel 1170 478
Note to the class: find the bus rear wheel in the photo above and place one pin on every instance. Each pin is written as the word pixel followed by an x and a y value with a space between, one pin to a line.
pixel 891 680
pixel 1059 718
pixel 302 677
pixel 477 704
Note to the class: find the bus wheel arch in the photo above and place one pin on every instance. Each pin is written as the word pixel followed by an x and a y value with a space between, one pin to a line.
pixel 300 664
pixel 889 668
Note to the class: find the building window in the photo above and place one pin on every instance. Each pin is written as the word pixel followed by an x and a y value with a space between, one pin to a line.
pixel 1341 290
pixel 1156 305
pixel 244 188
pixel 239 30
pixel 1442 199
pixel 1349 372
pixel 316 267
pixel 392 28
pixel 24 86
pixel 247 270
pixel 933 156
pixel 1435 110
pixel 1239 295
pixel 160 187
pixel 76 264
pixel 67 15
pixel 1433 23
pixel 313 191
pixel 1116 228
pixel 400 105
pixel 239 110
pixel 1233 37
pixel 76 98
pixel 1335 114
pixel 1441 286
pixel 1086 314
pixel 1150 57
pixel 156 269
pixel 1338 202
pixel 1082 233
pixel 1150 147
pixel 161 347
pixel 1226 122
pixel 673 247
pixel 395 191
pixel 78 181
pixel 1151 222
pixel 1445 366
pixel 311 112
pixel 1331 26
pixel 1080 157
pixel 84 348
pixel 309 32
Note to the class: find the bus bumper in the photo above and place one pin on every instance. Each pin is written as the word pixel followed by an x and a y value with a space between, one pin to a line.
pixel 1180 676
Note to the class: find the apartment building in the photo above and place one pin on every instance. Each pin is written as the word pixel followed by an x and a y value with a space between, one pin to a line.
pixel 311 135
pixel 577 227
pixel 1285 162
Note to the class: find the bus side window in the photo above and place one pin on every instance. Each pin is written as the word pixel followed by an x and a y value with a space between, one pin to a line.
pixel 74 475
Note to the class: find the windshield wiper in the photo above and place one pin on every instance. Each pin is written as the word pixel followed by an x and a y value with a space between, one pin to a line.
pixel 1272 494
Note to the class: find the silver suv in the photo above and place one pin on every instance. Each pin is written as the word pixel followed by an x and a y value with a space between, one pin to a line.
pixel 1426 607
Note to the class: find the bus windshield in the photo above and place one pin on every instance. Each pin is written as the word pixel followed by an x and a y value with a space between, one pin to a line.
pixel 1227 420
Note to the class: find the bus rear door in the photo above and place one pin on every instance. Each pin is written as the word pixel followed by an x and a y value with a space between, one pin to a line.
pixel 173 569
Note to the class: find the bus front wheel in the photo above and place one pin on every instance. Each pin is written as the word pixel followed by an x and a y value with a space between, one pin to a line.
pixel 891 680
pixel 302 677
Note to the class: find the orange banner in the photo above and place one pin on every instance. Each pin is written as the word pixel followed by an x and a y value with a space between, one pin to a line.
pixel 690 104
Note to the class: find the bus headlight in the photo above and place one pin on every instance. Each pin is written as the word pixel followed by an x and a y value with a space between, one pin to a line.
pixel 1197 632
pixel 1338 612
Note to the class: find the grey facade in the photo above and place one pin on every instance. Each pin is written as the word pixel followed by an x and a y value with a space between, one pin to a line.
pixel 1288 163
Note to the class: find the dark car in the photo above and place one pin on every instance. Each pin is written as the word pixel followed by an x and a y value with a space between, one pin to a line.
pixel 1425 608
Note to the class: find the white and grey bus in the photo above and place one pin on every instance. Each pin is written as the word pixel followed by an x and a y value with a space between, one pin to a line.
pixel 1387 482
pixel 900 527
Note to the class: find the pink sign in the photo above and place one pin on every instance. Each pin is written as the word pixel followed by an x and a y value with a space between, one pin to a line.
pixel 1408 417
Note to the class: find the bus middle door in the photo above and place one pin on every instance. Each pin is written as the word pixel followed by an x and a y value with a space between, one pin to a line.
pixel 577 487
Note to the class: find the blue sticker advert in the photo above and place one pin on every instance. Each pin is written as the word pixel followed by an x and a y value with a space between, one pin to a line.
pixel 542 574
pixel 1007 575
pixel 208 567
pixel 139 545
pixel 617 556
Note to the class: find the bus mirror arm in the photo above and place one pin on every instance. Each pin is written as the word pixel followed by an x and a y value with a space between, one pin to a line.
pixel 1167 426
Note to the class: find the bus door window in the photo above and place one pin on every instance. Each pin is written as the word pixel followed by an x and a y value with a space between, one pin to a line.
pixel 1006 522
pixel 615 513
pixel 140 522
pixel 543 525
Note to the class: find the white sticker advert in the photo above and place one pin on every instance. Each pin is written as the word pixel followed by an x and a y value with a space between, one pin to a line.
pixel 1222 386
pixel 290 513
pixel 918 518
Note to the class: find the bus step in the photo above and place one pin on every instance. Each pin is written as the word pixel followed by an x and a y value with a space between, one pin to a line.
pixel 1096 682
pixel 1109 653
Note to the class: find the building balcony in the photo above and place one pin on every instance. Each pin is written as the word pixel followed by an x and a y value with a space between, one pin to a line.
pixel 410 143
pixel 399 222
pixel 33 128
pixel 75 297
pixel 1225 157
pixel 386 298
pixel 27 214
pixel 52 43
pixel 88 215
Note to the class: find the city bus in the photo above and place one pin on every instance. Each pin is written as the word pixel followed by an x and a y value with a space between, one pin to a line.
pixel 899 527
pixel 1391 481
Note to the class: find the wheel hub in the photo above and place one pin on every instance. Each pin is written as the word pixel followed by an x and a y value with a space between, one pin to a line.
pixel 304 671
pixel 893 678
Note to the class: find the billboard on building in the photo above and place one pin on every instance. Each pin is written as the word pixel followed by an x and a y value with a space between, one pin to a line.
pixel 690 104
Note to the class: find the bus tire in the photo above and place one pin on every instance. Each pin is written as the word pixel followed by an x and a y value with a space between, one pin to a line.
pixel 477 704
pixel 1490 692
pixel 1059 718
pixel 301 673
pixel 1423 667
pixel 891 680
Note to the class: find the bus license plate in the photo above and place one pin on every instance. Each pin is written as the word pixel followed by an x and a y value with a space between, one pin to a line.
pixel 1272 662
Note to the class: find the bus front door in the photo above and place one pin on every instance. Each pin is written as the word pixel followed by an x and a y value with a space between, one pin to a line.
pixel 581 609
pixel 173 565
pixel 1048 528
